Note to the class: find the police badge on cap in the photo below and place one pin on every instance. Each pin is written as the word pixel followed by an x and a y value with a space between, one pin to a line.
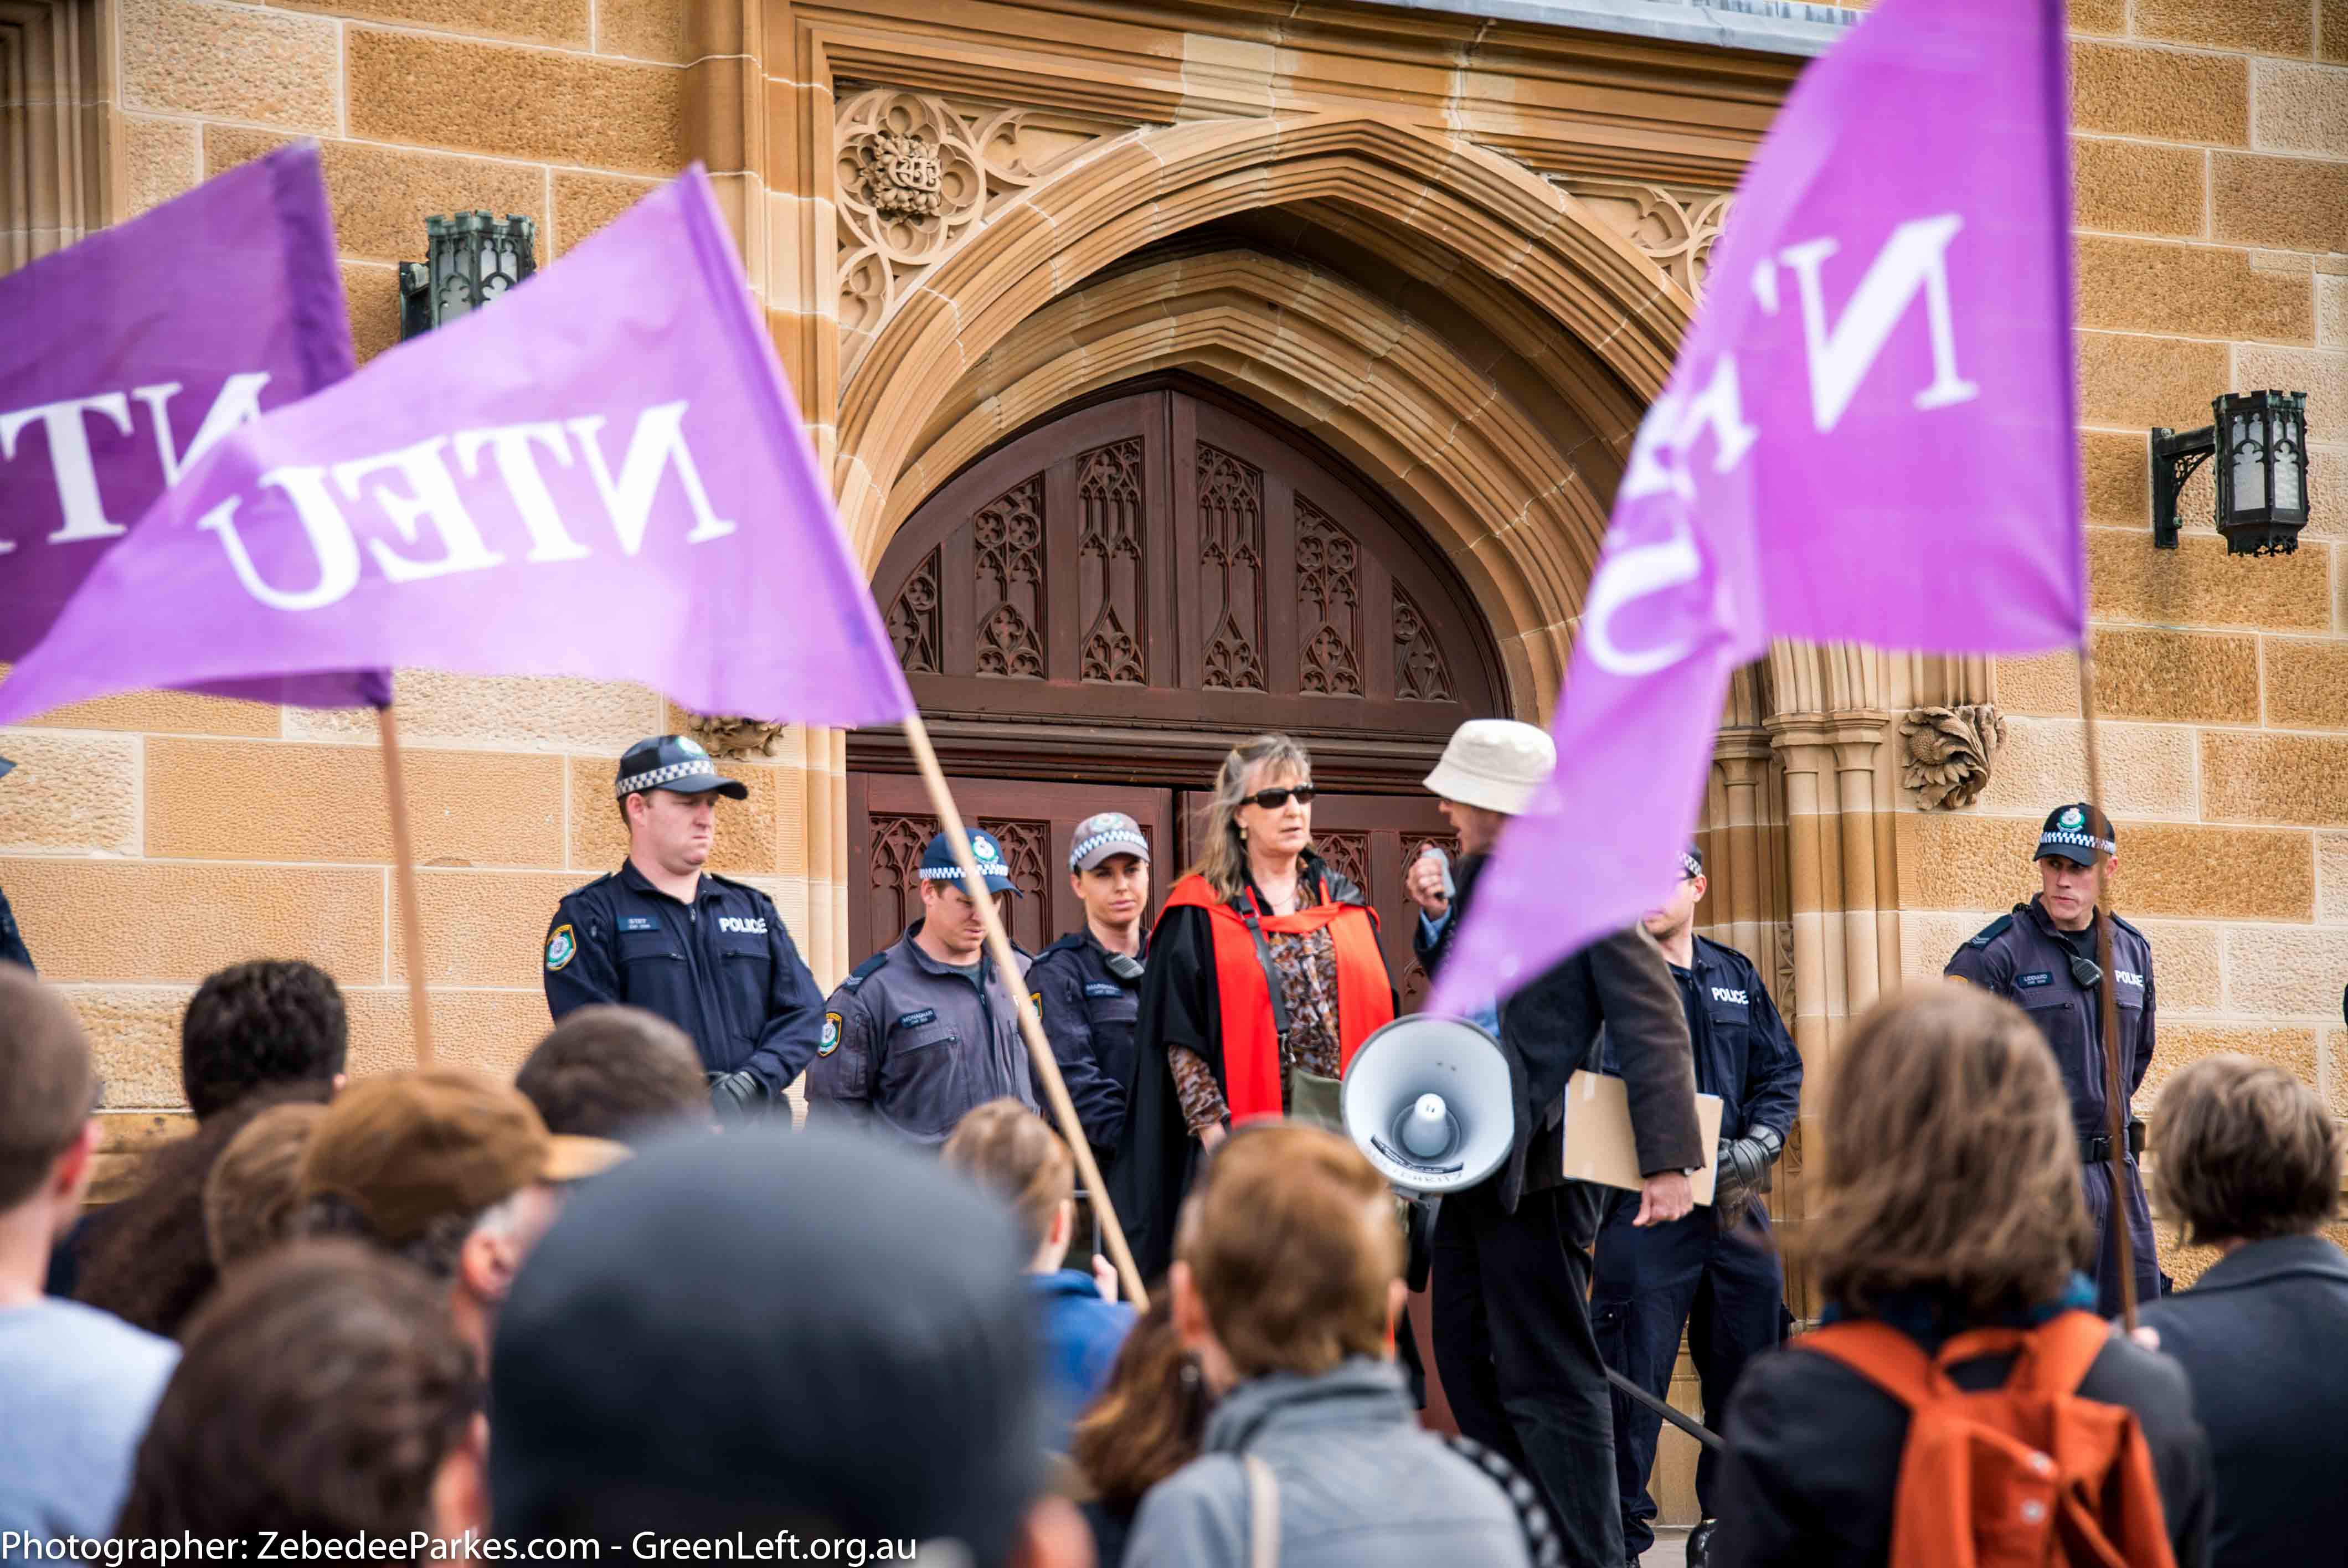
pixel 2066 836
pixel 677 763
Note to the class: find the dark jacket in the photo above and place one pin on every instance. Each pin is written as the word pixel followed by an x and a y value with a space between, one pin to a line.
pixel 913 1045
pixel 723 970
pixel 1181 1004
pixel 1088 1016
pixel 1743 1051
pixel 1812 1468
pixel 2263 1338
pixel 1621 983
pixel 1360 1485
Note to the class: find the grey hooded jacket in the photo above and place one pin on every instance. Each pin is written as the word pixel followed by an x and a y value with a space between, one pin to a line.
pixel 1361 1486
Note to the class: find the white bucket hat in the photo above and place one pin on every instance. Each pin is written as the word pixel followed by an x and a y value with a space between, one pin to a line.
pixel 1495 764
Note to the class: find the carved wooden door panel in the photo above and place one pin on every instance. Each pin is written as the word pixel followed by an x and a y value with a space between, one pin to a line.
pixel 890 824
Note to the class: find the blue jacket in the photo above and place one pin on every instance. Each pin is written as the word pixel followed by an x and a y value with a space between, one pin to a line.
pixel 1082 1333
pixel 1088 1016
pixel 723 970
pixel 1742 1052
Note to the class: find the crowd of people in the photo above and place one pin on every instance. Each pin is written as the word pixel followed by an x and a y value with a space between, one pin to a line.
pixel 620 1300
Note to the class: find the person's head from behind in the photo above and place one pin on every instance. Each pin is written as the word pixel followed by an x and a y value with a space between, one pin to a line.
pixel 322 1392
pixel 839 1317
pixel 613 1071
pixel 2247 1152
pixel 447 1169
pixel 1145 1424
pixel 1017 1159
pixel 48 1092
pixel 1951 1169
pixel 251 1195
pixel 1288 1258
pixel 258 1025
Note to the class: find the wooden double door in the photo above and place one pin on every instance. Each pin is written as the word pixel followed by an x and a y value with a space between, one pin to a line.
pixel 1370 838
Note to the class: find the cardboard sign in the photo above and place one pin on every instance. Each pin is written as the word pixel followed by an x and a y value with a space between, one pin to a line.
pixel 1598 1142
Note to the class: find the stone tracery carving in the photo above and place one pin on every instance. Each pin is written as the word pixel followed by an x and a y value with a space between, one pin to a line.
pixel 725 735
pixel 1947 753
pixel 918 175
pixel 1675 227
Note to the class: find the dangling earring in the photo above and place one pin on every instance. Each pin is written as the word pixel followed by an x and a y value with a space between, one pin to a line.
pixel 1195 1402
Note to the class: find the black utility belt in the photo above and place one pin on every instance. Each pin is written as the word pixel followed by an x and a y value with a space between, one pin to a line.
pixel 2096 1149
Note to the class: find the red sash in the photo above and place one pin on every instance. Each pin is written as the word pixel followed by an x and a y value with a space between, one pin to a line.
pixel 1251 1040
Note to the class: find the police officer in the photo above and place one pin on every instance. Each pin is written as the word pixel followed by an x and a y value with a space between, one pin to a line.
pixel 2042 957
pixel 924 1030
pixel 12 941
pixel 1087 985
pixel 707 953
pixel 1715 1274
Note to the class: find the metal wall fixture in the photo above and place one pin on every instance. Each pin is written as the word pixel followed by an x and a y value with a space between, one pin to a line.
pixel 471 258
pixel 2260 440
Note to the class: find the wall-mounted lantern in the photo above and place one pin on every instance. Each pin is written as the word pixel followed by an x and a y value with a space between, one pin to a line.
pixel 2260 440
pixel 470 259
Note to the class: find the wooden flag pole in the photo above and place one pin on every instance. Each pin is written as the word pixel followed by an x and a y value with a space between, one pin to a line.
pixel 403 872
pixel 2115 1094
pixel 1039 1050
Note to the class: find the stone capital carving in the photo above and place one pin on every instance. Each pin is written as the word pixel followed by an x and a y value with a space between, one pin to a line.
pixel 1948 753
pixel 723 735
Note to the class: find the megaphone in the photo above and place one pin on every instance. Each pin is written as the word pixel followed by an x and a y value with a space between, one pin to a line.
pixel 1430 1101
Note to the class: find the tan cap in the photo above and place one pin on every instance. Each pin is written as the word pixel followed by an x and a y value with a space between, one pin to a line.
pixel 407 1148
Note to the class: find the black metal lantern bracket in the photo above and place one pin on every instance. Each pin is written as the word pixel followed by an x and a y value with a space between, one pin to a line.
pixel 2260 441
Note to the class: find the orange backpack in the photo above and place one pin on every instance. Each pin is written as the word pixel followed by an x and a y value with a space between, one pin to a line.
pixel 2029 1475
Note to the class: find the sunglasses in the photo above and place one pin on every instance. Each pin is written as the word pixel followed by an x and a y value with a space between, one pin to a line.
pixel 1274 799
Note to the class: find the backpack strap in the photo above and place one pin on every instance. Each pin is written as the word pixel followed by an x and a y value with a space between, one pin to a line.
pixel 1879 1353
pixel 1263 1513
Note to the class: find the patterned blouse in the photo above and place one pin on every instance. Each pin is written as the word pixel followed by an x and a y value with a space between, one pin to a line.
pixel 1306 963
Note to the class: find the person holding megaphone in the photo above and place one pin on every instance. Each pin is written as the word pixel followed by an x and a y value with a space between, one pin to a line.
pixel 1513 1340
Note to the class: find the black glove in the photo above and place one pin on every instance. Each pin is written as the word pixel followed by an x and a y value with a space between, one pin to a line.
pixel 737 1091
pixel 1743 1170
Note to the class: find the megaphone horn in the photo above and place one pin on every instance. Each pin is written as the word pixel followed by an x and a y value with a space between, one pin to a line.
pixel 1430 1101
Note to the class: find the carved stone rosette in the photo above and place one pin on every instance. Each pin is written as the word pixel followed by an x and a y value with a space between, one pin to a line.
pixel 918 174
pixel 1676 228
pixel 722 735
pixel 1947 753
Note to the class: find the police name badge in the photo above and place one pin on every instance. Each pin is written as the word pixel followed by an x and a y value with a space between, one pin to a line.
pixel 830 1041
pixel 561 948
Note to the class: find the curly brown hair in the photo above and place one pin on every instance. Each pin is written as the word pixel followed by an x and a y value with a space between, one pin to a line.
pixel 319 1392
pixel 1950 1162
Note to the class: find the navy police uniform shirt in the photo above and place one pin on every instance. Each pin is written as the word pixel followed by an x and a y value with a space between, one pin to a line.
pixel 1088 1016
pixel 911 1044
pixel 722 968
pixel 1742 1052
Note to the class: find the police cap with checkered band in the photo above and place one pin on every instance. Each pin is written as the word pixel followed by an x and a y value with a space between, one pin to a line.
pixel 677 763
pixel 2066 834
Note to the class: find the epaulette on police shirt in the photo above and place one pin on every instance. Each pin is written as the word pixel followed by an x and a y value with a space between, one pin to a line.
pixel 856 976
pixel 2131 930
pixel 1991 932
pixel 1067 944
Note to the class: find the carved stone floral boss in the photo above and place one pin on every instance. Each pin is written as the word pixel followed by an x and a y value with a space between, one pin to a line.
pixel 1948 753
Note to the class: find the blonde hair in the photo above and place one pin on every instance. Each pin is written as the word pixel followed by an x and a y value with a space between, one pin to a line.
pixel 1012 1153
pixel 1291 1243
pixel 2246 1152
pixel 1223 854
pixel 1951 1164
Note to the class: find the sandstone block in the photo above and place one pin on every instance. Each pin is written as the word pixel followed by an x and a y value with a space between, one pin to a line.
pixel 2331 311
pixel 2117 469
pixel 2199 584
pixel 232 62
pixel 371 299
pixel 585 203
pixel 134 1042
pixel 2147 768
pixel 124 1139
pixel 101 920
pixel 2274 778
pixel 649 29
pixel 2299 109
pixel 746 842
pixel 2322 374
pixel 1969 862
pixel 2293 1048
pixel 1928 938
pixel 2249 26
pixel 503 712
pixel 515 102
pixel 161 159
pixel 215 800
pixel 381 195
pixel 2038 683
pixel 531 21
pixel 2137 383
pixel 71 791
pixel 2160 93
pixel 2331 876
pixel 2307 684
pixel 2287 203
pixel 483 927
pixel 2099 16
pixel 2331 36
pixel 2139 285
pixel 2189 965
pixel 2154 675
pixel 173 712
pixel 491 1031
pixel 2285 971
